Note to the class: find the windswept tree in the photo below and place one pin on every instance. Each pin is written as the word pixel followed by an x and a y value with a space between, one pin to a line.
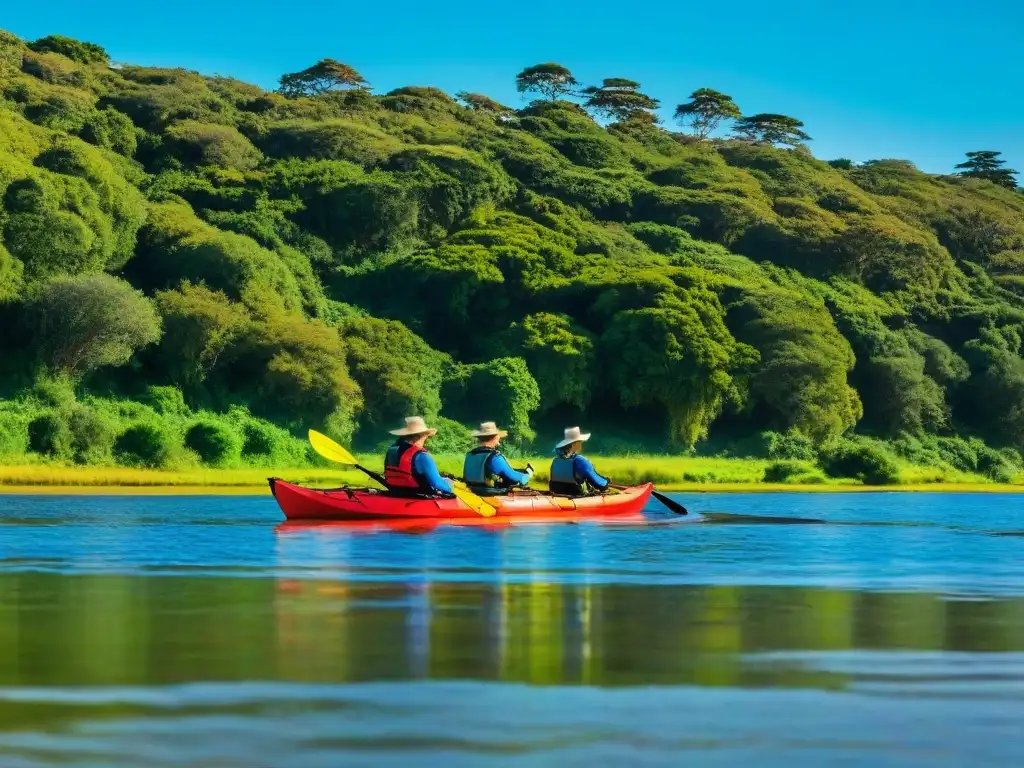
pixel 480 103
pixel 986 165
pixel 766 128
pixel 621 100
pixel 550 80
pixel 323 77
pixel 705 111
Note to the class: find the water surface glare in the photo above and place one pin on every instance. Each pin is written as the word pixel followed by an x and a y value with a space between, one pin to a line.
pixel 862 629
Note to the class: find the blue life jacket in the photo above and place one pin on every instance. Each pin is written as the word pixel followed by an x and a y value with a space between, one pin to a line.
pixel 563 477
pixel 476 470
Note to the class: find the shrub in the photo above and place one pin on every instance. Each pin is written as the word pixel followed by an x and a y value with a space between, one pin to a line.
pixel 451 437
pixel 782 471
pixel 91 436
pixel 56 392
pixel 215 443
pixel 992 463
pixel 868 463
pixel 48 433
pixel 167 400
pixel 144 444
pixel 797 472
pixel 13 434
pixel 77 50
pixel 258 439
pixel 209 144
pixel 791 445
pixel 958 453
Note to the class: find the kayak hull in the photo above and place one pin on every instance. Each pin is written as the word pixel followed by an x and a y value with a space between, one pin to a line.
pixel 300 503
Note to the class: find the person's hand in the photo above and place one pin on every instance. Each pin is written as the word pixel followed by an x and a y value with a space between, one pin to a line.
pixel 529 468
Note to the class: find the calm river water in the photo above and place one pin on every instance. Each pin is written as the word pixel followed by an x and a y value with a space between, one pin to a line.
pixel 194 631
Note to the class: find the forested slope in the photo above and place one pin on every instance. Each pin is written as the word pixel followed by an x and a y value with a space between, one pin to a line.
pixel 194 261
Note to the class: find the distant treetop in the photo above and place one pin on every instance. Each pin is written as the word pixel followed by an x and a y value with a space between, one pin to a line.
pixel 767 128
pixel 620 99
pixel 985 164
pixel 550 80
pixel 706 109
pixel 324 76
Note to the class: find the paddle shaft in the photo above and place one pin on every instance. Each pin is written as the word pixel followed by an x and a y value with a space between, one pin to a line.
pixel 379 478
pixel 673 506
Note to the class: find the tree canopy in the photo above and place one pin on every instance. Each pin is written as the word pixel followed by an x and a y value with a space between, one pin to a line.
pixel 771 129
pixel 324 76
pixel 550 80
pixel 986 165
pixel 706 110
pixel 620 99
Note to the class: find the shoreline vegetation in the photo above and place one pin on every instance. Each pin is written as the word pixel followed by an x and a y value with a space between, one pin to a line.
pixel 674 474
pixel 194 271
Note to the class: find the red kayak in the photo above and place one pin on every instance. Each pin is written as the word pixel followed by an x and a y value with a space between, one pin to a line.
pixel 299 503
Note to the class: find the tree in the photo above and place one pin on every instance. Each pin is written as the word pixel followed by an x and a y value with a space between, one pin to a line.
pixel 550 80
pixel 677 353
pixel 324 76
pixel 560 356
pixel 201 325
pixel 620 99
pixel 705 110
pixel 85 322
pixel 842 164
pixel 767 128
pixel 507 388
pixel 397 370
pixel 986 165
pixel 480 103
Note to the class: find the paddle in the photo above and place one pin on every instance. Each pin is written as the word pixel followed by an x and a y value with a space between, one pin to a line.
pixel 673 506
pixel 329 449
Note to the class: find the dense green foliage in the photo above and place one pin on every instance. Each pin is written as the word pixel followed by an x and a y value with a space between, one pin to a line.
pixel 205 267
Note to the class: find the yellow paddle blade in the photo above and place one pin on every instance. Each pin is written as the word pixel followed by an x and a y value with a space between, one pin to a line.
pixel 473 501
pixel 329 449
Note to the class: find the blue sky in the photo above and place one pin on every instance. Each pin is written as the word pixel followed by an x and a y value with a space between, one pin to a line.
pixel 915 79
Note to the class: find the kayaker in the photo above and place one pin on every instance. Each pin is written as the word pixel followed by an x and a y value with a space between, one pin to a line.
pixel 486 470
pixel 571 473
pixel 407 464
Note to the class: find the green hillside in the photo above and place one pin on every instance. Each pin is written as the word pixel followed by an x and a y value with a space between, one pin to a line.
pixel 195 269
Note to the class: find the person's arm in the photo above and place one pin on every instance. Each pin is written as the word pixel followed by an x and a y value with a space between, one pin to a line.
pixel 585 469
pixel 501 467
pixel 427 467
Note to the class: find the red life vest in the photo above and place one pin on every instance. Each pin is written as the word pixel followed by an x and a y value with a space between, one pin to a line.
pixel 398 474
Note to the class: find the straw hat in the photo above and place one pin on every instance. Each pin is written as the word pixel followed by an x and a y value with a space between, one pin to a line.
pixel 573 435
pixel 414 425
pixel 489 429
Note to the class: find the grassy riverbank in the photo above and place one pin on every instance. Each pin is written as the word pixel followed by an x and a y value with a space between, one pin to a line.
pixel 669 473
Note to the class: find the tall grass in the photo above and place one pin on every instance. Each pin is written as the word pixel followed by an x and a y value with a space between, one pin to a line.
pixel 49 436
pixel 668 473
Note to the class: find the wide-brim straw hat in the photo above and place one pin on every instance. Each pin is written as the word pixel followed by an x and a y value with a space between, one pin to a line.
pixel 573 435
pixel 489 429
pixel 414 425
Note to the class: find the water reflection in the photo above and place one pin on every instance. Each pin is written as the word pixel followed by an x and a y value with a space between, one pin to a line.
pixel 103 630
